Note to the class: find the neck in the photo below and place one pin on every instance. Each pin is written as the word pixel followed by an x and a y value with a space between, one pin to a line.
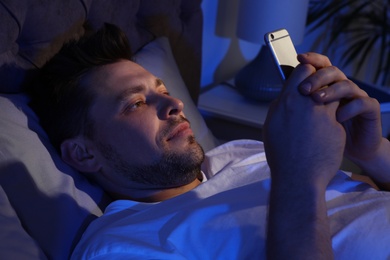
pixel 154 195
pixel 173 192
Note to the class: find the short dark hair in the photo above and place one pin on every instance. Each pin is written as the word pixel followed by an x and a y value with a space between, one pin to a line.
pixel 59 97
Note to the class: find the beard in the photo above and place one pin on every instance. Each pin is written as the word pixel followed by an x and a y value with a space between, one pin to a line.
pixel 172 169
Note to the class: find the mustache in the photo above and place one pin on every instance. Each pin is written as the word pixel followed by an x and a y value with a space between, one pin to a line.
pixel 172 123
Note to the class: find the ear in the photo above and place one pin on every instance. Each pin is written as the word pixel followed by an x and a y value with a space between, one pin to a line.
pixel 75 152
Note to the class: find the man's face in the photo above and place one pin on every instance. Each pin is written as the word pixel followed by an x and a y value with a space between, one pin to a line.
pixel 141 137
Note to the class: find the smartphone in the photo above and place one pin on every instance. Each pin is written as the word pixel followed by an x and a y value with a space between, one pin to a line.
pixel 283 51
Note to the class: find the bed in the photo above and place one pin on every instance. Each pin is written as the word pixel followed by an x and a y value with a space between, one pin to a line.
pixel 44 204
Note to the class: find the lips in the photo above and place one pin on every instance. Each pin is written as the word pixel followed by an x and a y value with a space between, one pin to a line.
pixel 179 130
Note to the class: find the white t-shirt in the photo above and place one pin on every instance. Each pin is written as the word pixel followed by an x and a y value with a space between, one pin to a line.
pixel 225 217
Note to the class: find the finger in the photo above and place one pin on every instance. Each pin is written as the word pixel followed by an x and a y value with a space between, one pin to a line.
pixel 319 61
pixel 323 77
pixel 299 74
pixel 365 107
pixel 291 99
pixel 344 89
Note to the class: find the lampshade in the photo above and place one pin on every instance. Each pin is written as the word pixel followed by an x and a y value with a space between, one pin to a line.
pixel 257 17
pixel 259 79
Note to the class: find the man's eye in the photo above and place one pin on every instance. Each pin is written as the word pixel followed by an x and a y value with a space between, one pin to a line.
pixel 134 106
pixel 138 104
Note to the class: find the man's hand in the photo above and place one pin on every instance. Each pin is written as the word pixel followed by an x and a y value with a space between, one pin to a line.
pixel 359 113
pixel 304 142
pixel 360 116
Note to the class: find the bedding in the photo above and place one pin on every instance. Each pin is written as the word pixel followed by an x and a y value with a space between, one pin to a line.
pixel 226 217
pixel 53 202
pixel 45 204
pixel 15 243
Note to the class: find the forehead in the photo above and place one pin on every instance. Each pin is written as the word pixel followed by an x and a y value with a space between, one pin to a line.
pixel 114 78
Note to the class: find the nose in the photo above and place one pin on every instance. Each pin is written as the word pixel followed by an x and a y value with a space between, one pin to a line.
pixel 170 106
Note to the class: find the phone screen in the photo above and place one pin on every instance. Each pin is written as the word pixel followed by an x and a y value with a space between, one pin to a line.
pixel 283 51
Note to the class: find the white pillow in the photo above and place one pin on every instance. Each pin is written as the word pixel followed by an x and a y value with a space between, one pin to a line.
pixel 53 202
pixel 15 243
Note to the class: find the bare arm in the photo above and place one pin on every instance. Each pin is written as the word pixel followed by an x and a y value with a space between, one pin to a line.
pixel 298 225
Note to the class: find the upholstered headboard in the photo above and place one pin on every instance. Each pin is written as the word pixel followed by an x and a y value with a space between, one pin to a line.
pixel 44 204
pixel 33 30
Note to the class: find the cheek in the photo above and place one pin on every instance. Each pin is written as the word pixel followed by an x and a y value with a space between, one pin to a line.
pixel 135 141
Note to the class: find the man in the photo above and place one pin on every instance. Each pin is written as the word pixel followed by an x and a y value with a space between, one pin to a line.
pixel 116 122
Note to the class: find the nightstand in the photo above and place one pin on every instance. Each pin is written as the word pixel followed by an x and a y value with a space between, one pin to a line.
pixel 229 115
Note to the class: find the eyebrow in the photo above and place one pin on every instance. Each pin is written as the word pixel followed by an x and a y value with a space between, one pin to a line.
pixel 137 89
pixel 159 82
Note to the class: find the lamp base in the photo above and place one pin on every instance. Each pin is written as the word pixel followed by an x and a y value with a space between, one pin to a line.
pixel 260 79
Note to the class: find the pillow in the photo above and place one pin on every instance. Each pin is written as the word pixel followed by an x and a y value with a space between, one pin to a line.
pixel 158 59
pixel 54 203
pixel 48 203
pixel 12 235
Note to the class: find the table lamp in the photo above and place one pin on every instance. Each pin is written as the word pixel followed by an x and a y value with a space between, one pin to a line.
pixel 259 79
